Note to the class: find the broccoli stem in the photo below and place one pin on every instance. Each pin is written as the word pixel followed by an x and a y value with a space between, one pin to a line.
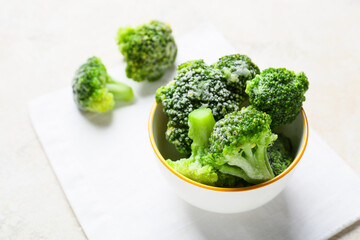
pixel 261 153
pixel 120 91
pixel 235 171
pixel 252 161
pixel 201 124
pixel 256 164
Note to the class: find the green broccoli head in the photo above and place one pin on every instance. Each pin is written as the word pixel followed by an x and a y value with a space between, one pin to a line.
pixel 94 90
pixel 200 166
pixel 194 169
pixel 237 69
pixel 279 154
pixel 278 92
pixel 239 143
pixel 197 85
pixel 149 50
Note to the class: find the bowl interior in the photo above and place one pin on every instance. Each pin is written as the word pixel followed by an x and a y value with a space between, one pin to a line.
pixel 166 149
pixel 294 131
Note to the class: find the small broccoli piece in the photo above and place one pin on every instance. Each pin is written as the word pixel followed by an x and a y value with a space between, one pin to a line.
pixel 149 50
pixel 278 92
pixel 239 143
pixel 237 69
pixel 200 166
pixel 198 85
pixel 94 90
pixel 279 154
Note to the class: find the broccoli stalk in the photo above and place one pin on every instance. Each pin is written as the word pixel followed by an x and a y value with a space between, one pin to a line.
pixel 250 161
pixel 239 143
pixel 201 123
pixel 94 90
pixel 120 90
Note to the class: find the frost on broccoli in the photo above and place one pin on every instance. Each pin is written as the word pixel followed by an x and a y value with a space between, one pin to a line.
pixel 94 90
pixel 239 143
pixel 198 85
pixel 279 154
pixel 237 69
pixel 200 166
pixel 278 92
pixel 149 50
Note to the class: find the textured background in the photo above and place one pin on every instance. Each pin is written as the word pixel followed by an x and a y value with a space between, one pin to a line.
pixel 43 42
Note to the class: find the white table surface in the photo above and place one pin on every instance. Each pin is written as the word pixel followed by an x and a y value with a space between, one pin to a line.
pixel 43 42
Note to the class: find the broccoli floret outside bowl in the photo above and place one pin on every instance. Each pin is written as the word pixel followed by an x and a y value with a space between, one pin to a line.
pixel 211 195
pixel 149 50
pixel 95 91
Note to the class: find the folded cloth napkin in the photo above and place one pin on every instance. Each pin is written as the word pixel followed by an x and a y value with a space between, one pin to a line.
pixel 109 173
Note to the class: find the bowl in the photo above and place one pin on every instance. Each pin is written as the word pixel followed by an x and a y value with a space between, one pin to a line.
pixel 218 199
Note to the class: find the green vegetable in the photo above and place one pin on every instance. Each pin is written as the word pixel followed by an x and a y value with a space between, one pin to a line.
pixel 239 143
pixel 200 166
pixel 94 90
pixel 219 87
pixel 237 69
pixel 278 92
pixel 149 50
pixel 279 154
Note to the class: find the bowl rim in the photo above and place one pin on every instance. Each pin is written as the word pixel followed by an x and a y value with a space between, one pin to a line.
pixel 222 189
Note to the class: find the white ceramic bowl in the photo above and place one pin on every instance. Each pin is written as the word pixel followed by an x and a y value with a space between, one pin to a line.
pixel 217 199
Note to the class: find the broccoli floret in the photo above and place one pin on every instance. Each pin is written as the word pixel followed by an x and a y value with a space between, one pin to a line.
pixel 200 166
pixel 278 92
pixel 94 90
pixel 198 85
pixel 149 50
pixel 239 143
pixel 279 154
pixel 201 123
pixel 237 69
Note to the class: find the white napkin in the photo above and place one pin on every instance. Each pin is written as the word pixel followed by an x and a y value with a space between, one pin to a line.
pixel 110 176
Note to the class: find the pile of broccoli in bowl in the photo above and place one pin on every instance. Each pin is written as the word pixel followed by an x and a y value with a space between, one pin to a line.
pixel 226 120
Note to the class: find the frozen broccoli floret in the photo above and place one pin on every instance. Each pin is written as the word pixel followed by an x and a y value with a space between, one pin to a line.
pixel 239 144
pixel 237 69
pixel 94 90
pixel 200 166
pixel 278 92
pixel 201 123
pixel 279 154
pixel 149 50
pixel 198 85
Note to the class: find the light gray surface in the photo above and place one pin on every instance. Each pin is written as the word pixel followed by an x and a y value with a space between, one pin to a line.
pixel 43 42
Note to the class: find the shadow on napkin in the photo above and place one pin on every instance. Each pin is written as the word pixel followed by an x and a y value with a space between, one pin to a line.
pixel 105 119
pixel 255 224
pixel 147 88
